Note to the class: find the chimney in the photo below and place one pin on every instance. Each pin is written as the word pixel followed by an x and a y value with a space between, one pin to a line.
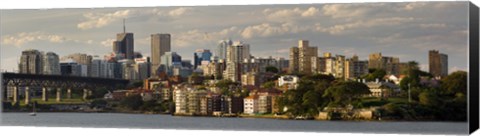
pixel 376 80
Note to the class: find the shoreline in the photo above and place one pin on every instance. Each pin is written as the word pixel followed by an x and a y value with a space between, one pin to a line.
pixel 279 117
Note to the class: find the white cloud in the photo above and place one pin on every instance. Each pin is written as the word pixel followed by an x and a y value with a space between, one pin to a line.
pixel 97 20
pixel 27 37
pixel 363 24
pixel 202 37
pixel 179 11
pixel 107 42
pixel 433 25
pixel 267 29
pixel 290 13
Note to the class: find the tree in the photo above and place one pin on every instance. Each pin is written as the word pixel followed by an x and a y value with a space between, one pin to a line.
pixel 268 85
pixel 428 98
pixel 454 83
pixel 375 74
pixel 271 69
pixel 346 93
pixel 132 102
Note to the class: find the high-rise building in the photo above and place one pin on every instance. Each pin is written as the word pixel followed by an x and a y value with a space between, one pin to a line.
pixel 160 43
pixel 301 57
pixel 222 46
pixel 124 44
pixel 80 58
pixel 142 67
pixel 51 64
pixel 169 59
pixel 389 64
pixel 236 55
pixel 71 68
pixel 199 56
pixel 438 63
pixel 355 68
pixel 31 62
pixel 339 66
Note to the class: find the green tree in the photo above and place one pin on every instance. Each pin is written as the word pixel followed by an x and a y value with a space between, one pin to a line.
pixel 428 98
pixel 346 93
pixel 132 102
pixel 270 84
pixel 271 69
pixel 454 83
pixel 375 74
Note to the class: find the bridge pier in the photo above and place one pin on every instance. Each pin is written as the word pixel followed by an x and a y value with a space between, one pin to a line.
pixel 69 93
pixel 15 94
pixel 44 94
pixel 27 95
pixel 59 94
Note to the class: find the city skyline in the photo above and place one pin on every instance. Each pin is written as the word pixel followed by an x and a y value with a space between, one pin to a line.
pixel 421 27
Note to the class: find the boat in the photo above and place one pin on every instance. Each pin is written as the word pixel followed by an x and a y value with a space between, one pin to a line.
pixel 34 113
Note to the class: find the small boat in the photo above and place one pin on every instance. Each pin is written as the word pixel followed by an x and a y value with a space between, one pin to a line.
pixel 34 113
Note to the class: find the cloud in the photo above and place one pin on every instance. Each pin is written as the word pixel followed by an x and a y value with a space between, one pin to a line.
pixel 290 13
pixel 202 37
pixel 433 25
pixel 23 38
pixel 364 24
pixel 107 42
pixel 179 11
pixel 97 20
pixel 267 29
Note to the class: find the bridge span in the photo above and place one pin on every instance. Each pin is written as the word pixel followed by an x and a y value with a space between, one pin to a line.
pixel 58 82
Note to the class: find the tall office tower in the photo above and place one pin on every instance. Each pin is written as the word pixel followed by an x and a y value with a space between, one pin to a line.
pixel 236 55
pixel 80 58
pixel 222 46
pixel 160 43
pixel 169 60
pixel 354 68
pixel 142 67
pixel 301 57
pixel 51 64
pixel 124 44
pixel 71 68
pixel 31 62
pixel 199 56
pixel 438 63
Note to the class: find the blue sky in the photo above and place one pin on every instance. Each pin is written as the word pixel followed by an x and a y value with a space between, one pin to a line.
pixel 405 30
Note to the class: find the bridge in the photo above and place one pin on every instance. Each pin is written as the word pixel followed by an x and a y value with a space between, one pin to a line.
pixel 58 82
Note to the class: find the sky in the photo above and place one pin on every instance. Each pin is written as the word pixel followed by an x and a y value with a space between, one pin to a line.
pixel 404 30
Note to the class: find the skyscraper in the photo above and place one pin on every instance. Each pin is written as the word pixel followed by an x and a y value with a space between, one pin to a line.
pixel 438 63
pixel 51 64
pixel 301 57
pixel 31 62
pixel 199 56
pixel 124 44
pixel 160 43
pixel 236 54
pixel 221 51
pixel 169 60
